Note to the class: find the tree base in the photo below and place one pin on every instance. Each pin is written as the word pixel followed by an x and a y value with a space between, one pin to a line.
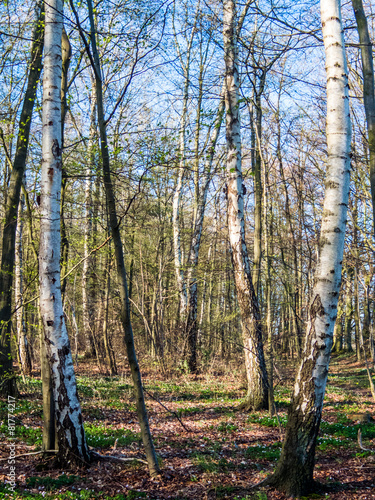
pixel 293 485
pixel 253 404
pixel 8 387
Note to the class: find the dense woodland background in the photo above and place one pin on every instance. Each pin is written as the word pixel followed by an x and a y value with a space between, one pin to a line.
pixel 154 55
pixel 162 73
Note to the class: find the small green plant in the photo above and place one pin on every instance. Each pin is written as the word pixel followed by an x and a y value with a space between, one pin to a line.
pixel 101 436
pixel 271 452
pixel 226 427
pixel 211 463
pixel 50 483
pixel 133 494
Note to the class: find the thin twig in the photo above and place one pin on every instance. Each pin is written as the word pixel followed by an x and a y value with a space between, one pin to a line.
pixel 360 442
pixel 32 453
pixel 112 458
pixel 170 411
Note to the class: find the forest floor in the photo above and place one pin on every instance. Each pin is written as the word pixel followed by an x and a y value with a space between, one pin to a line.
pixel 214 451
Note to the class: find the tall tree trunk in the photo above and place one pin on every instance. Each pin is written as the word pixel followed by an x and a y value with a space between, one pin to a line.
pixel 66 54
pixel 87 309
pixel 294 471
pixel 192 324
pixel 257 394
pixel 119 254
pixel 368 89
pixel 176 222
pixel 69 422
pixel 7 381
pixel 257 170
pixel 23 344
pixel 349 310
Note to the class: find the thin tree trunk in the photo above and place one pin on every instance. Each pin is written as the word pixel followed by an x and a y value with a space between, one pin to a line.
pixel 294 471
pixel 87 309
pixel 348 310
pixel 192 324
pixel 69 422
pixel 23 344
pixel 368 89
pixel 7 381
pixel 257 394
pixel 66 54
pixel 119 255
pixel 107 346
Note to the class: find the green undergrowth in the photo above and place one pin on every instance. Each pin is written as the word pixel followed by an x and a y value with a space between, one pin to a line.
pixel 267 420
pixel 30 435
pixel 263 452
pixel 212 463
pixel 50 483
pixel 104 436
pixel 77 494
pixel 349 431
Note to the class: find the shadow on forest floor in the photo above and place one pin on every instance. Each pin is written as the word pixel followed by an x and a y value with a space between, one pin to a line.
pixel 218 452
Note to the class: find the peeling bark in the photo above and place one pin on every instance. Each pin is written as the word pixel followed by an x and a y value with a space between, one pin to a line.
pixel 69 422
pixel 257 394
pixel 294 471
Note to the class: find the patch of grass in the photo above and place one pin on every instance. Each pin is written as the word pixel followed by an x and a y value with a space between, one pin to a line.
pixel 271 452
pixel 133 494
pixel 190 411
pixel 31 435
pixel 348 431
pixel 50 483
pixel 7 493
pixel 227 427
pixel 325 443
pixel 104 436
pixel 211 463
pixel 267 420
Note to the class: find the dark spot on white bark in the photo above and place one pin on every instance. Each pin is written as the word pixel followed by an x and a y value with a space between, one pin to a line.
pixel 332 184
pixel 50 322
pixel 56 149
pixel 316 308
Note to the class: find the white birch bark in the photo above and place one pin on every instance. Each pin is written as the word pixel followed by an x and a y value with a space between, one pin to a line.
pixel 178 258
pixel 86 293
pixel 294 473
pixel 71 436
pixel 257 396
pixel 23 345
pixel 192 326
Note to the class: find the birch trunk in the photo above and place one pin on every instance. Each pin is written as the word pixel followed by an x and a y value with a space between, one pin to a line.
pixel 23 345
pixel 87 310
pixel 69 422
pixel 257 394
pixel 66 54
pixel 192 324
pixel 7 381
pixel 294 472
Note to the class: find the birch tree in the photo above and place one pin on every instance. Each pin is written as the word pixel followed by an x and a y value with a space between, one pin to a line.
pixel 257 394
pixel 368 89
pixel 69 422
pixel 294 472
